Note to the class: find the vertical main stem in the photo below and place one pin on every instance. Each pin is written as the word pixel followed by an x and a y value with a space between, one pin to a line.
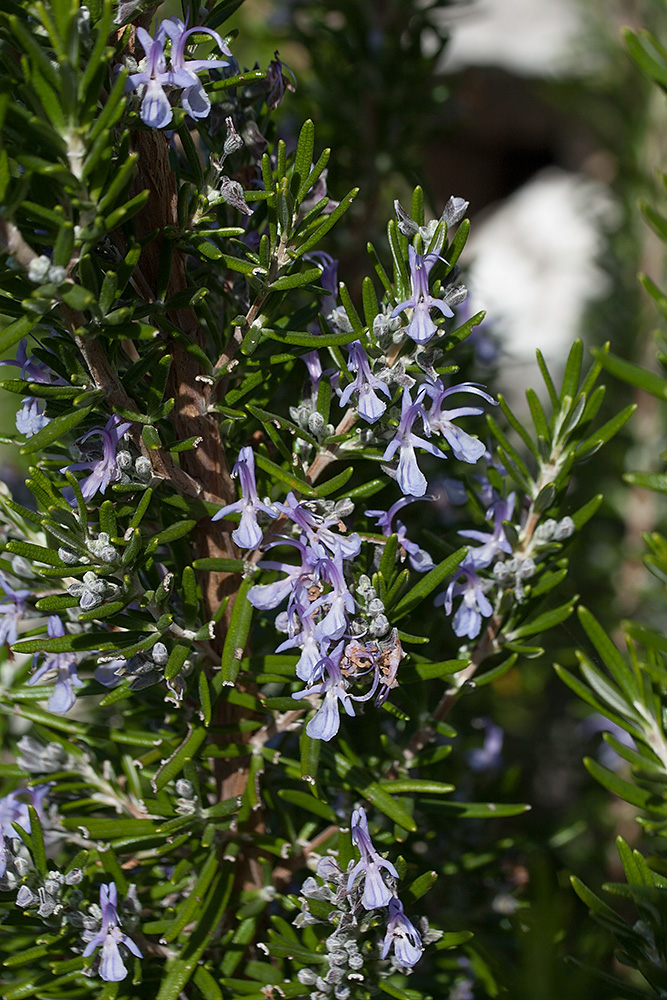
pixel 207 464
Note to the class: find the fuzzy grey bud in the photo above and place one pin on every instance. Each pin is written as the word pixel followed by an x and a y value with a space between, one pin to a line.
pixel 68 557
pixel 379 626
pixel 142 467
pixel 454 211
pixel 159 654
pixel 38 269
pixel 25 897
pixel 527 568
pixel 316 423
pixel 501 572
pixel 544 532
pixel 123 460
pixel 307 977
pixel 406 225
pixel 73 877
pixel 564 529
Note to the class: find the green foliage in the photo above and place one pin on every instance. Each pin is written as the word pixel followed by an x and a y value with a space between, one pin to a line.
pixel 176 295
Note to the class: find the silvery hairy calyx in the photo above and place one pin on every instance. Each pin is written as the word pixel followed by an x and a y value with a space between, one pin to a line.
pixel 272 529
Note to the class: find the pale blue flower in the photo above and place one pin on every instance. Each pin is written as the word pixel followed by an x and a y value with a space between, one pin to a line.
pixel 109 937
pixel 64 667
pixel 402 935
pixel 12 609
pixel 31 418
pixel 421 327
pixel 376 891
pixel 369 405
pixel 194 99
pixel 465 447
pixel 13 809
pixel 409 476
pixel 326 722
pixel 104 470
pixel 475 605
pixel 155 108
pixel 420 560
pixel 495 542
pixel 248 535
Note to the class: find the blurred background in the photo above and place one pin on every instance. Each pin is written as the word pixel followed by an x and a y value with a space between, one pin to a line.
pixel 533 112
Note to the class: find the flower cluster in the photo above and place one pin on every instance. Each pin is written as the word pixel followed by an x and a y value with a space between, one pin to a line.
pixel 155 73
pixel 353 900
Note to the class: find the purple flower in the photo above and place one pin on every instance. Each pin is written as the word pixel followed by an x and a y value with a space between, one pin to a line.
pixel 64 666
pixel 421 327
pixel 370 407
pixel 248 535
pixel 328 280
pixel 265 596
pixel 403 935
pixel 312 362
pixel 111 969
pixel 12 609
pixel 326 722
pixel 102 470
pixel 376 891
pixel 303 635
pixel 15 810
pixel 409 476
pixel 194 99
pixel 475 604
pixel 493 543
pixel 420 560
pixel 338 601
pixel 33 370
pixel 155 108
pixel 317 530
pixel 31 417
pixel 465 447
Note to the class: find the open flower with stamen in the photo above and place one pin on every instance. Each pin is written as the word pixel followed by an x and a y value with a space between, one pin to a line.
pixel 369 405
pixel 494 542
pixel 420 560
pixel 326 722
pixel 63 665
pixel 295 584
pixel 104 470
pixel 302 631
pixel 338 602
pixel 109 937
pixel 376 891
pixel 317 530
pixel 475 605
pixel 409 476
pixel 421 327
pixel 465 447
pixel 248 535
pixel 155 108
pixel 194 99
pixel 402 935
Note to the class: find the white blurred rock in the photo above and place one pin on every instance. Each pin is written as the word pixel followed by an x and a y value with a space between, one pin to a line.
pixel 526 37
pixel 532 263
